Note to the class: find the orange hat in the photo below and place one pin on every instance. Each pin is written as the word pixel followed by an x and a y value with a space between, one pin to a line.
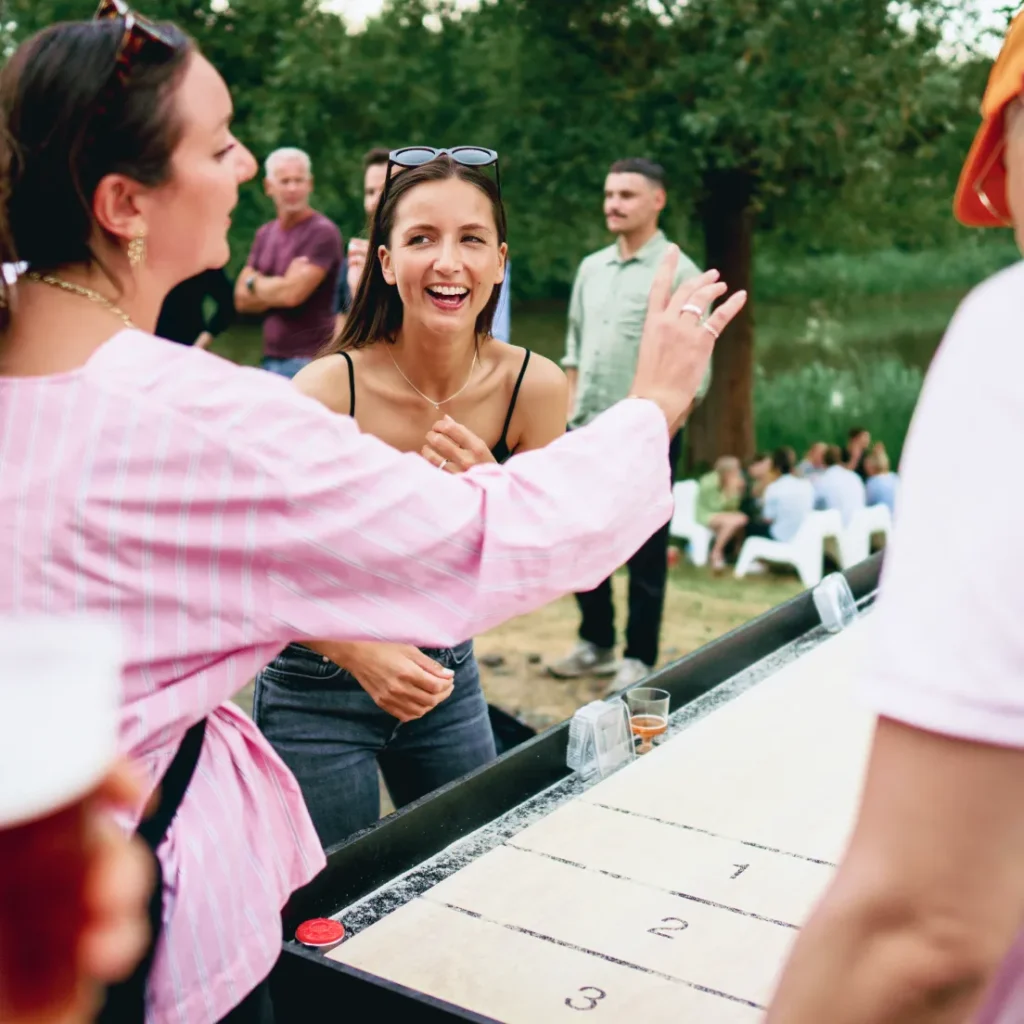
pixel 981 194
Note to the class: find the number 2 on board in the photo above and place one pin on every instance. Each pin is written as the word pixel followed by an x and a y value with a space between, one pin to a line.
pixel 667 926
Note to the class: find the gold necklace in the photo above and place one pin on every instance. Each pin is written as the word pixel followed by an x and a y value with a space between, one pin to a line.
pixel 86 293
pixel 427 398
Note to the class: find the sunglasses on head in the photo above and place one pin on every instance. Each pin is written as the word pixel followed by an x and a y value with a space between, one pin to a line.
pixel 140 34
pixel 417 156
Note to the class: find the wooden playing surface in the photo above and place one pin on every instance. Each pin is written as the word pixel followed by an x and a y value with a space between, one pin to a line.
pixel 671 891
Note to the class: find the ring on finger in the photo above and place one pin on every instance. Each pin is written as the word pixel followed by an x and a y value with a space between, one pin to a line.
pixel 711 330
pixel 692 308
pixel 444 462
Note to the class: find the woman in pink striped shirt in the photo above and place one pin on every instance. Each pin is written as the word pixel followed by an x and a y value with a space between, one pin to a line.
pixel 216 513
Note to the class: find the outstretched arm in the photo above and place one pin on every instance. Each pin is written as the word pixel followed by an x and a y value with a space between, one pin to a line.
pixel 371 544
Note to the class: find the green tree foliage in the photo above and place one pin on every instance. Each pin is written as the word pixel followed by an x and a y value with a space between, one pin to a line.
pixel 801 125
pixel 763 109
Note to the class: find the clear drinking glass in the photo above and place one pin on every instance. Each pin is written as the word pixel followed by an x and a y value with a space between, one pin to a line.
pixel 835 603
pixel 648 715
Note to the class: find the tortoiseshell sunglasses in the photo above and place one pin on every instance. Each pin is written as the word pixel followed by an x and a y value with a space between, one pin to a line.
pixel 140 34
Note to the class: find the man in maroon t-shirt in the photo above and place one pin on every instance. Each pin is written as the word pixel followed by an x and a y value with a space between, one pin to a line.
pixel 292 271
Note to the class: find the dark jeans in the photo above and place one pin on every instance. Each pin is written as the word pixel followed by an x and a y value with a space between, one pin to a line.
pixel 285 367
pixel 648 570
pixel 256 1008
pixel 332 736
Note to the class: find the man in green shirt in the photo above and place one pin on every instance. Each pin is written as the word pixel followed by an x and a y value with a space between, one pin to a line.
pixel 606 319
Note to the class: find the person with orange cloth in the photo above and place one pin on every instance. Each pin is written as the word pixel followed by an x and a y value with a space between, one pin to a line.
pixel 922 923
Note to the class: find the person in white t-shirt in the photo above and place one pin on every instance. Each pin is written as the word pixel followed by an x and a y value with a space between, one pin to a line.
pixel 788 500
pixel 923 920
pixel 838 487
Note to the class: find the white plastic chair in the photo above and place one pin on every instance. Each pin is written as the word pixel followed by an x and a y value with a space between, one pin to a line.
pixel 684 525
pixel 867 522
pixel 805 552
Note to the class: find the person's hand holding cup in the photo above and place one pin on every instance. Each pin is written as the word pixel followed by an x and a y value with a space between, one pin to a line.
pixel 678 338
pixel 74 890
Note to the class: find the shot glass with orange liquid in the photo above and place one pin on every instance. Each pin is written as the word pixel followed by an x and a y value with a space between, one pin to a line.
pixel 648 715
pixel 60 686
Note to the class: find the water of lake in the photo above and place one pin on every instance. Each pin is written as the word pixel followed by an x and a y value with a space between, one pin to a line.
pixel 789 334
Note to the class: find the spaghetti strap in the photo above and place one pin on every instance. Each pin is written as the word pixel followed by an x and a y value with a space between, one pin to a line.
pixel 503 442
pixel 351 384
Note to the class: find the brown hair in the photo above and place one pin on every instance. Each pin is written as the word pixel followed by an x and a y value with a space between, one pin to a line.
pixel 784 460
pixel 67 121
pixel 653 172
pixel 376 313
pixel 376 157
pixel 877 460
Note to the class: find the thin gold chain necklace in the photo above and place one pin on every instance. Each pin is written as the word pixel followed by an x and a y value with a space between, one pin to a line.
pixel 427 398
pixel 81 290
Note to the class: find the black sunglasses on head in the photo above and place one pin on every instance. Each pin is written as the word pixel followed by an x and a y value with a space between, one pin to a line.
pixel 417 156
pixel 139 35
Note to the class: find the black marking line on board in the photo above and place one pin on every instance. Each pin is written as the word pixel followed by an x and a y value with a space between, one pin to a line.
pixel 657 888
pixel 403 889
pixel 395 893
pixel 600 956
pixel 715 835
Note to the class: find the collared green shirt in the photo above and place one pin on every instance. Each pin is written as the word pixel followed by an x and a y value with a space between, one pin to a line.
pixel 606 319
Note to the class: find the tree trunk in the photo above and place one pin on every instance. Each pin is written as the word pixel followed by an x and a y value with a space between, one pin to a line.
pixel 724 422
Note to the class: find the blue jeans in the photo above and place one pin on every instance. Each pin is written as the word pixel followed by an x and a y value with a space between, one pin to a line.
pixel 332 736
pixel 285 367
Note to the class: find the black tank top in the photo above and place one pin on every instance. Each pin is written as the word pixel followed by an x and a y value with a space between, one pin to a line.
pixel 501 450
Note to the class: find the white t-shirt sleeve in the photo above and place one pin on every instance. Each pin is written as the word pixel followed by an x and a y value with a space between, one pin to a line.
pixel 947 649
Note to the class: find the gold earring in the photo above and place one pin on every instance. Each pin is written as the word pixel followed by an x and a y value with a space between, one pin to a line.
pixel 137 251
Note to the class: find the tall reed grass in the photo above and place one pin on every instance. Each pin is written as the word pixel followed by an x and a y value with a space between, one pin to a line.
pixel 821 403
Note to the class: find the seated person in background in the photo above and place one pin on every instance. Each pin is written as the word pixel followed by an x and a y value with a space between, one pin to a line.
pixel 883 485
pixel 857 444
pixel 757 476
pixel 718 501
pixel 813 462
pixel 838 487
pixel 788 500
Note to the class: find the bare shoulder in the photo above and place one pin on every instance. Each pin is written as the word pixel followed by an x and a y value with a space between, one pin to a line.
pixel 326 379
pixel 544 382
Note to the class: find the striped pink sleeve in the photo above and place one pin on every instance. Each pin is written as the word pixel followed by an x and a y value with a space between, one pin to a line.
pixel 365 542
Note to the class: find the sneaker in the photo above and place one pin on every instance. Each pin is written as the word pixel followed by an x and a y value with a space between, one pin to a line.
pixel 631 671
pixel 587 659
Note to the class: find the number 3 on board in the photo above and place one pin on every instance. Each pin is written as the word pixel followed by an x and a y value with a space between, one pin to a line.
pixel 589 996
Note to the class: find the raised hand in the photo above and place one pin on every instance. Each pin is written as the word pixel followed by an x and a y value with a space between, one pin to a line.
pixel 677 340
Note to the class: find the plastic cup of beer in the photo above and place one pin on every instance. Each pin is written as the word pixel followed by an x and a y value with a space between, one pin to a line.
pixel 648 715
pixel 60 688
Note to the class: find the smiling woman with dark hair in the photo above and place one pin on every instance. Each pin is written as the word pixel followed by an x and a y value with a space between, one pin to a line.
pixel 416 365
